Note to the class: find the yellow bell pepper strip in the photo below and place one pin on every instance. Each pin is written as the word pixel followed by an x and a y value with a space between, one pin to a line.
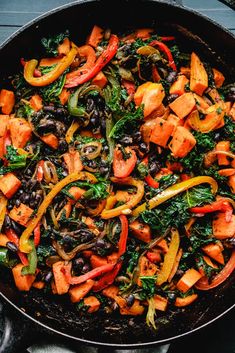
pixel 175 190
pixel 3 210
pixel 135 199
pixel 211 121
pixel 51 76
pixel 71 131
pixel 24 239
pixel 169 258
pixel 102 61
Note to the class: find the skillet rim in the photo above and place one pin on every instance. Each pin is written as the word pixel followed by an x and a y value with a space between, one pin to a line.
pixel 10 39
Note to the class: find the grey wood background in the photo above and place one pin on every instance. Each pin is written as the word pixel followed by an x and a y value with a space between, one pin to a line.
pixel 15 13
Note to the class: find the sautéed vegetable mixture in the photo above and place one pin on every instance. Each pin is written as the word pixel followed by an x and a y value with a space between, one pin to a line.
pixel 117 173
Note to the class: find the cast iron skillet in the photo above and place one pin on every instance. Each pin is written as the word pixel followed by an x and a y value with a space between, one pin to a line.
pixel 194 31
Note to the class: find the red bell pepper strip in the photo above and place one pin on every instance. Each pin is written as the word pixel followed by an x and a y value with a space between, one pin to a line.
pixel 102 60
pixel 12 236
pixel 96 272
pixel 37 235
pixel 219 205
pixel 150 180
pixel 203 284
pixel 123 236
pixel 107 279
pixel 167 39
pixel 40 171
pixel 164 48
pixel 129 86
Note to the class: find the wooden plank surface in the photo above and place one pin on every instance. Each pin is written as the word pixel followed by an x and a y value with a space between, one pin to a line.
pixel 15 13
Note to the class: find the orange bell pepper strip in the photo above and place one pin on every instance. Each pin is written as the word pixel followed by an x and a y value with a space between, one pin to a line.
pixel 175 190
pixel 169 258
pixel 123 167
pixel 105 57
pixel 228 269
pixel 24 239
pixel 51 76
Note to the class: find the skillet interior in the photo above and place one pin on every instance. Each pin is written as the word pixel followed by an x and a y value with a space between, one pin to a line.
pixel 56 312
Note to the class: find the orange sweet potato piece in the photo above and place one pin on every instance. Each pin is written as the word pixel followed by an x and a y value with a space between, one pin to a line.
pixel 178 87
pixel 215 252
pixel 7 101
pixel 175 121
pixel 185 71
pixel 93 303
pixel 180 302
pixel 141 231
pixel 61 283
pixel 23 283
pixel 111 291
pixel 9 184
pixel 225 147
pixel 64 96
pixel 187 281
pixel 73 161
pixel 97 261
pixel 36 102
pixel 134 310
pixel 221 228
pixel 139 94
pixel 143 33
pixel 79 291
pixel 64 47
pixel 201 101
pixel 153 97
pixel 232 111
pixel 160 303
pixel 161 132
pixel 20 131
pixel 4 120
pixel 182 142
pixel 146 268
pixel 3 240
pixel 21 214
pixel 39 284
pixel 51 140
pixel 100 80
pixel 154 256
pixel 218 78
pixel 183 105
pixel 198 75
pixel 162 244
pixel 95 36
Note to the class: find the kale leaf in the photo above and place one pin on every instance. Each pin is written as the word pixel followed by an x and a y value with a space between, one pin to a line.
pixel 14 160
pixel 51 92
pixel 51 44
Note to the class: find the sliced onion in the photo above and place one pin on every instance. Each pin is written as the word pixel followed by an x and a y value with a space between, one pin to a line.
pixel 97 146
pixel 49 172
pixel 210 157
pixel 70 255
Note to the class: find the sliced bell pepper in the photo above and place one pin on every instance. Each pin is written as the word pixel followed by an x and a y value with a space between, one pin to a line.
pixel 164 48
pixel 12 236
pixel 51 76
pixel 37 235
pixel 123 167
pixel 30 269
pixel 149 179
pixel 135 199
pixel 220 205
pixel 105 57
pixel 71 131
pixel 73 109
pixel 123 236
pixel 169 258
pixel 24 245
pixel 175 190
pixel 96 272
pixel 107 279
pixel 228 269
pixel 40 171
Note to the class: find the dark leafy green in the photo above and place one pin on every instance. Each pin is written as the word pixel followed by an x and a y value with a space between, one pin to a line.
pixel 129 122
pixel 51 44
pixel 14 160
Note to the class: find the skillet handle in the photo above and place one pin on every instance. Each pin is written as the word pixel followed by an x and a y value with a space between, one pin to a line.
pixel 18 333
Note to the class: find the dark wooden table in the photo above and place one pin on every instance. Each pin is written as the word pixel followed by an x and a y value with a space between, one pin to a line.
pixel 15 13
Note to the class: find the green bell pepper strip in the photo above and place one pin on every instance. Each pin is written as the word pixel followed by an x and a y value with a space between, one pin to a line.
pixel 173 191
pixel 33 260
pixel 73 109
pixel 4 258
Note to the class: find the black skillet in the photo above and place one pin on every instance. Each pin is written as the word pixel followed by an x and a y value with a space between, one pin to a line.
pixel 56 314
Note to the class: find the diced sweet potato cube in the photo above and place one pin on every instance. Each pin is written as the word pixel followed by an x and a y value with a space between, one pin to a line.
pixel 4 121
pixel 175 121
pixel 188 280
pixel 22 282
pixel 161 132
pixel 182 142
pixel 93 304
pixel 20 131
pixel 21 214
pixel 9 184
pixel 61 283
pixel 178 87
pixel 183 105
pixel 221 228
pixel 198 75
pixel 160 303
pixel 218 78
pixel 80 291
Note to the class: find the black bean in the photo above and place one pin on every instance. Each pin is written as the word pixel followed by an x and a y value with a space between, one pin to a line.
pixel 105 148
pixel 143 147
pixel 12 246
pixel 16 227
pixel 231 97
pixel 100 243
pixel 61 111
pixel 10 207
pixel 78 263
pixel 172 97
pixel 86 268
pixel 17 202
pixel 48 277
pixel 49 108
pixel 23 184
pixel 130 300
pixel 92 164
pixel 25 198
pixel 171 76
pixel 90 105
pixel 7 222
pixel 217 136
pixel 20 191
pixel 171 296
pixel 38 197
pixel 153 168
pixel 114 306
pixel 137 136
pixel 126 140
pixel 104 170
